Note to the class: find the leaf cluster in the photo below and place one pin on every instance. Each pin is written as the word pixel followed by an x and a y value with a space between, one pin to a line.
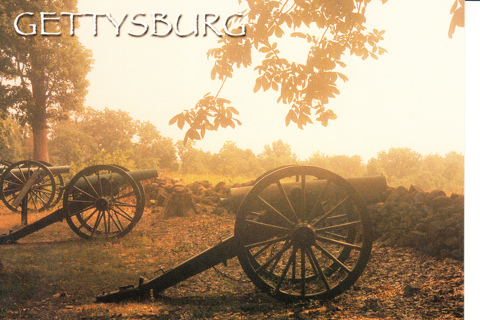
pixel 330 28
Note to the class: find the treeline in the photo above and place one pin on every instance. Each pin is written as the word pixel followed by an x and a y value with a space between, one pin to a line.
pixel 112 136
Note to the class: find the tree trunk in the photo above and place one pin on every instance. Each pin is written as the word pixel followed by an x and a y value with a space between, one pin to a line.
pixel 38 113
pixel 40 145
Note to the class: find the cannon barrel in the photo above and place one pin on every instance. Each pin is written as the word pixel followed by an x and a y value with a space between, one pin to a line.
pixel 53 170
pixel 137 175
pixel 370 189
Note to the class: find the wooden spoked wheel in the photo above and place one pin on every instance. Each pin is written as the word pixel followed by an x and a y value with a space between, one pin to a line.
pixel 303 233
pixel 102 201
pixel 4 165
pixel 39 183
pixel 59 183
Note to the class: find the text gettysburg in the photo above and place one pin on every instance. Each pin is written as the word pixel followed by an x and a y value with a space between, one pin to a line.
pixel 160 26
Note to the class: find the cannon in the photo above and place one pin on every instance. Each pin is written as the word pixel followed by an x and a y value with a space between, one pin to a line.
pixel 40 193
pixel 101 201
pixel 301 232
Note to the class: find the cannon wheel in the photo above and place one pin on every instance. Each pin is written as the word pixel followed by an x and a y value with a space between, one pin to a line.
pixel 14 178
pixel 303 243
pixel 60 184
pixel 4 165
pixel 102 201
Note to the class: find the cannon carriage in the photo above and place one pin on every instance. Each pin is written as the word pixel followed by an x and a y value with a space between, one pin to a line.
pixel 301 232
pixel 102 201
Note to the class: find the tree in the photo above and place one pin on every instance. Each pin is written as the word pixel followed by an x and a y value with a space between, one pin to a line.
pixel 279 154
pixel 342 165
pixel 111 129
pixel 331 28
pixel 11 140
pixel 152 149
pixel 42 77
pixel 399 162
pixel 192 159
pixel 234 161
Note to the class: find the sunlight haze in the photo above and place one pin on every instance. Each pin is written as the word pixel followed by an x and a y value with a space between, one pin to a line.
pixel 412 96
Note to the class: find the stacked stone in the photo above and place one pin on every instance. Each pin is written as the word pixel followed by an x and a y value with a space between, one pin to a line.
pixel 431 222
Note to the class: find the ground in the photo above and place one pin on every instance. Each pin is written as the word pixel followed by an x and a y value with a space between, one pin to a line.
pixel 54 274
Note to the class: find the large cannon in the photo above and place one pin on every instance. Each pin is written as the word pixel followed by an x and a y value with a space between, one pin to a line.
pixel 102 201
pixel 300 232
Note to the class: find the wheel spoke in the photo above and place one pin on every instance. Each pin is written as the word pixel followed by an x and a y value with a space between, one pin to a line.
pixel 124 204
pixel 304 198
pixel 319 201
pixel 266 225
pixel 333 258
pixel 117 222
pixel 285 270
pixel 278 254
pixel 122 213
pixel 82 210
pixel 99 183
pixel 341 243
pixel 84 192
pixel 97 223
pixel 89 184
pixel 276 211
pixel 84 222
pixel 339 226
pixel 266 242
pixel 131 193
pixel 317 268
pixel 330 211
pixel 303 271
pixel 285 197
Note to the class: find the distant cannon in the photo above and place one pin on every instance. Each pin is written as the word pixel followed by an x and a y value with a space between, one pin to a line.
pixel 301 232
pixel 102 201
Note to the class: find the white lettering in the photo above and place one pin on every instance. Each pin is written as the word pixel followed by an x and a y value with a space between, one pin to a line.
pixel 161 19
pixel 117 26
pixel 43 19
pixel 138 23
pixel 209 24
pixel 34 26
pixel 194 31
pixel 95 20
pixel 242 27
pixel 72 20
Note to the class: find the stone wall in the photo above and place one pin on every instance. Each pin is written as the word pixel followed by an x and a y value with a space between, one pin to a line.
pixel 431 222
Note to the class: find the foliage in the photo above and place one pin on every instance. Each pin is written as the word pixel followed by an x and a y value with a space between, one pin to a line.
pixel 277 155
pixel 41 77
pixel 193 160
pixel 342 165
pixel 234 161
pixel 11 143
pixel 330 28
pixel 458 16
pixel 399 162
pixel 110 137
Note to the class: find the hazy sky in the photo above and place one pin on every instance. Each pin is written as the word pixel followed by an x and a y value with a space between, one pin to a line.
pixel 413 96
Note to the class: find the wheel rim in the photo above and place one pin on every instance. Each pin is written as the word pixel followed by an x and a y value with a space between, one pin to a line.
pixel 102 201
pixel 40 195
pixel 303 233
